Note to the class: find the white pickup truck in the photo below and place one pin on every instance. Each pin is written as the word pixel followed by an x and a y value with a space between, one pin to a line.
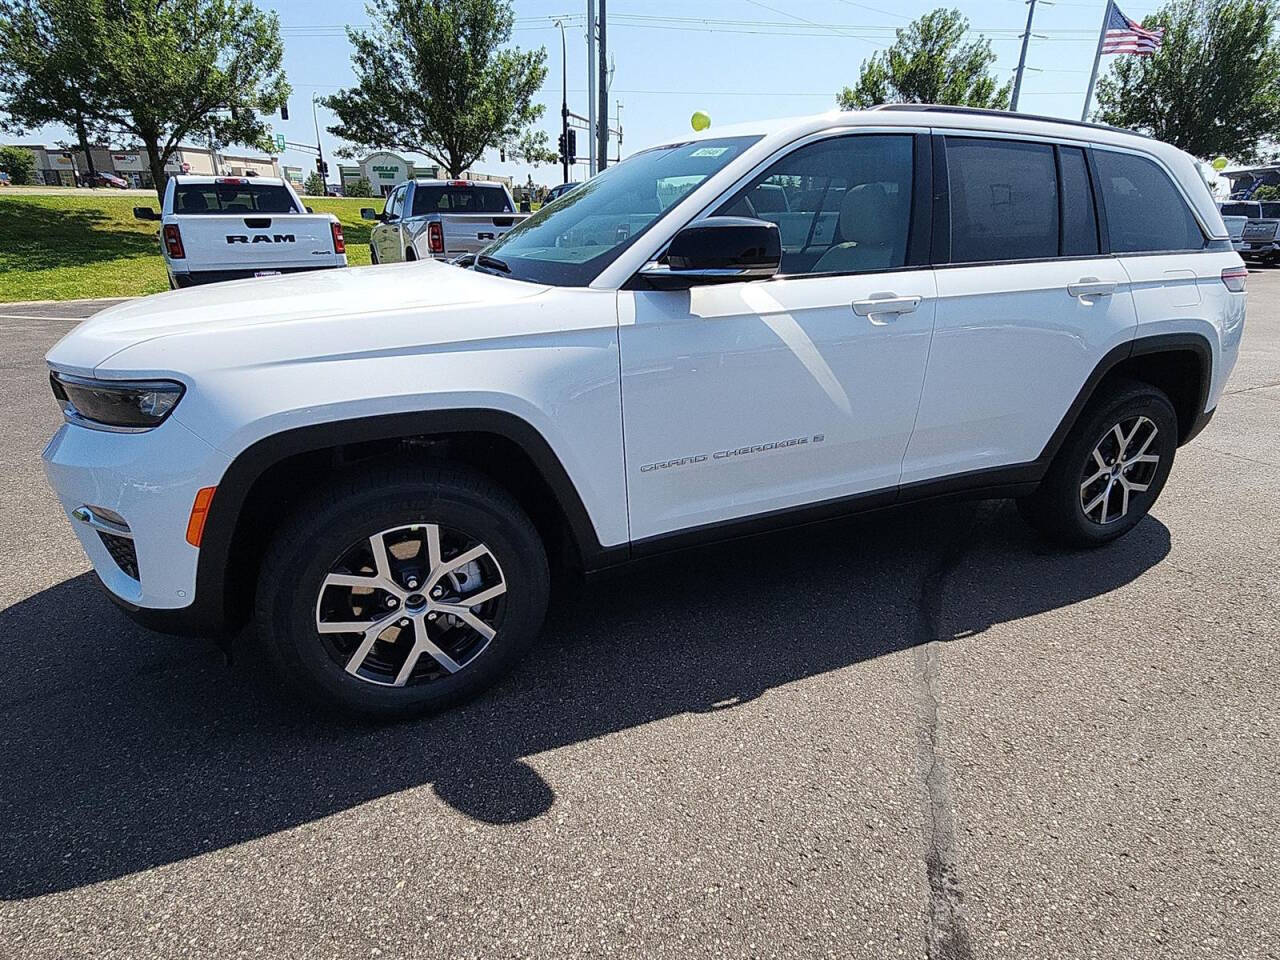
pixel 229 228
pixel 440 219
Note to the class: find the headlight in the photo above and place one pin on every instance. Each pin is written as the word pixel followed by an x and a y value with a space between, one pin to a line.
pixel 116 404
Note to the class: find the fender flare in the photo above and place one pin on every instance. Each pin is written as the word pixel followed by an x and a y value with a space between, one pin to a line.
pixel 210 612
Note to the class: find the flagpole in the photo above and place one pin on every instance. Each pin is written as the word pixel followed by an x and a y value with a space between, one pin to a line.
pixel 1097 58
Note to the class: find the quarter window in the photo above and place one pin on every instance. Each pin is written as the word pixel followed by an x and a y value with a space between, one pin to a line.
pixel 1004 200
pixel 841 205
pixel 1145 211
pixel 394 201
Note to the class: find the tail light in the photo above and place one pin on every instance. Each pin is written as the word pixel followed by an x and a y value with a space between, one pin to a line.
pixel 1234 278
pixel 459 183
pixel 173 242
pixel 339 244
pixel 435 237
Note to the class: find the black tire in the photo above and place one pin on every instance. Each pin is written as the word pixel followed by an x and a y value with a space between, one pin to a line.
pixel 410 255
pixel 1057 508
pixel 373 254
pixel 321 533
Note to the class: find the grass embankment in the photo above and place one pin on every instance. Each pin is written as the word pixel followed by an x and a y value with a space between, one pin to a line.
pixel 76 246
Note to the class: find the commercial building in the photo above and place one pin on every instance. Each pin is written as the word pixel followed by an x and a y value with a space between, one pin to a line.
pixel 56 166
pixel 384 170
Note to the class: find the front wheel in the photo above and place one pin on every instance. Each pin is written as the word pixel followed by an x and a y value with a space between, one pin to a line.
pixel 399 594
pixel 1110 470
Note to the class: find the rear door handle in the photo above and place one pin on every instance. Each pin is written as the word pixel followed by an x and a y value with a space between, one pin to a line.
pixel 1091 287
pixel 885 304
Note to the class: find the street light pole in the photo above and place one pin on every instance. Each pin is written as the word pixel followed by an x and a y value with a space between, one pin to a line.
pixel 319 151
pixel 591 88
pixel 602 149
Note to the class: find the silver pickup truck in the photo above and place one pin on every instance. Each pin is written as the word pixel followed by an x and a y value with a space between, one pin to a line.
pixel 1258 238
pixel 440 219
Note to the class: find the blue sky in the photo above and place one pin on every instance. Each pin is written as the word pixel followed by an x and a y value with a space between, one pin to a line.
pixel 736 59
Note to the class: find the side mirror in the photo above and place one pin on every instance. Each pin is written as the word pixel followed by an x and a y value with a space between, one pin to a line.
pixel 718 250
pixel 308 209
pixel 368 213
pixel 145 213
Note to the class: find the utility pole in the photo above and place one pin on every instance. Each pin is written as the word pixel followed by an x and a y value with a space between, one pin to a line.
pixel 619 160
pixel 1097 58
pixel 602 150
pixel 1022 58
pixel 591 88
pixel 564 103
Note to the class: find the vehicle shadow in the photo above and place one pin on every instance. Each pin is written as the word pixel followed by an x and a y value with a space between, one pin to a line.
pixel 121 750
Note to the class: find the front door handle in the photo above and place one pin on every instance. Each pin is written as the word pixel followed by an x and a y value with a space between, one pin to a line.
pixel 1091 287
pixel 886 304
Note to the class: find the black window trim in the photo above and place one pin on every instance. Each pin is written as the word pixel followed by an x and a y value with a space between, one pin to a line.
pixel 1091 178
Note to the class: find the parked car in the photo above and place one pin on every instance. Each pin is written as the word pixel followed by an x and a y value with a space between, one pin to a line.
pixel 1235 214
pixel 560 189
pixel 230 228
pixel 1258 238
pixel 379 466
pixel 440 219
pixel 101 179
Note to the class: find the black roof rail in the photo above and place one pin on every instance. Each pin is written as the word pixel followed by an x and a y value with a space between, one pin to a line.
pixel 988 112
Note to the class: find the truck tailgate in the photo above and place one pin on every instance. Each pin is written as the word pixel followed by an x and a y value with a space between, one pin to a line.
pixel 472 232
pixel 257 241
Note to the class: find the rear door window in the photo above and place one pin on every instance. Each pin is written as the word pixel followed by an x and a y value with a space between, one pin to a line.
pixel 1004 200
pixel 1079 218
pixel 226 198
pixel 1239 209
pixel 1145 211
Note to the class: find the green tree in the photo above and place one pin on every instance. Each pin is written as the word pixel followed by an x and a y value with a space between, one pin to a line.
pixel 1268 191
pixel 360 188
pixel 930 62
pixel 314 186
pixel 435 78
pixel 19 164
pixel 1212 88
pixel 47 71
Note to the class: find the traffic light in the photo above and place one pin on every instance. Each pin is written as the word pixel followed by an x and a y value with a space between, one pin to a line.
pixel 564 157
pixel 322 168
pixel 573 145
pixel 284 111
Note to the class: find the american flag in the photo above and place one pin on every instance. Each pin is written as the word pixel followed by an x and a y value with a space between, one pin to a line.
pixel 1126 36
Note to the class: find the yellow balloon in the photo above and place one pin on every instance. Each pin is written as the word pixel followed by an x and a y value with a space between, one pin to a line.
pixel 700 120
pixel 1219 163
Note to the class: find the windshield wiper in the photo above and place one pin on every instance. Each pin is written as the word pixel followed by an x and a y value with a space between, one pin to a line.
pixel 493 263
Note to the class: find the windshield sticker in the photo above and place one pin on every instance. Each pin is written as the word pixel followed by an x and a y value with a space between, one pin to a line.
pixel 709 151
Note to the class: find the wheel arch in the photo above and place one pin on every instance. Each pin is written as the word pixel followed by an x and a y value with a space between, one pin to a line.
pixel 268 473
pixel 1180 364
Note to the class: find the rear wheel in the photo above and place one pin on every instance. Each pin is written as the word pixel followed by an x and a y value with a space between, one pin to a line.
pixel 373 253
pixel 1110 470
pixel 400 594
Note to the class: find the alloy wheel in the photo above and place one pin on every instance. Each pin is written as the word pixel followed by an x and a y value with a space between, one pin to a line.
pixel 410 605
pixel 1119 467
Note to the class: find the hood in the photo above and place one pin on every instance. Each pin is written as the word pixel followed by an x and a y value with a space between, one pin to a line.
pixel 357 294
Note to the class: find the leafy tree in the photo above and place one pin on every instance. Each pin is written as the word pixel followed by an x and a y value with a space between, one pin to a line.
pixel 1268 191
pixel 47 72
pixel 19 164
pixel 361 188
pixel 1212 88
pixel 435 78
pixel 314 186
pixel 930 62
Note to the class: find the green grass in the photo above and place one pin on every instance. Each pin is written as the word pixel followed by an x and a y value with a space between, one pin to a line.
pixel 75 247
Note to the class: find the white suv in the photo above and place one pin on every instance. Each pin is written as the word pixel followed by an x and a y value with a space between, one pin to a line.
pixel 747 328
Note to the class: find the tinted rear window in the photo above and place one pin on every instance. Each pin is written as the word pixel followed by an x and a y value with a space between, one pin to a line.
pixel 1239 209
pixel 192 198
pixel 1270 210
pixel 1145 211
pixel 459 200
pixel 1079 220
pixel 1004 200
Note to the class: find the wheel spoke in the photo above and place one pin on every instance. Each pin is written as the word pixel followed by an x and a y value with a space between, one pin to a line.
pixel 1124 497
pixel 1099 499
pixel 1143 458
pixel 423 644
pixel 381 562
pixel 1120 440
pixel 352 626
pixel 371 635
pixel 1147 443
pixel 1136 487
pixel 1100 460
pixel 483 596
pixel 471 620
pixel 433 547
pixel 353 580
pixel 1096 477
pixel 461 560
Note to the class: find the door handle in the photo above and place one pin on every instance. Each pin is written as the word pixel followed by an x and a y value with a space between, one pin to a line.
pixel 1091 287
pixel 885 303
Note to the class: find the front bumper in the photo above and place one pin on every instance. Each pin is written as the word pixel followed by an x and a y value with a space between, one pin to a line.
pixel 149 480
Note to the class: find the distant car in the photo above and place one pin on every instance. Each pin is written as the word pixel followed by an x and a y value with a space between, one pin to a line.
pixel 5 181
pixel 110 180
pixel 561 189
pixel 1258 238
pixel 1235 214
pixel 440 219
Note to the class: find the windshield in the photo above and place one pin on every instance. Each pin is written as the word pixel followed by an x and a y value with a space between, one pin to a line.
pixel 232 198
pixel 570 241
pixel 469 199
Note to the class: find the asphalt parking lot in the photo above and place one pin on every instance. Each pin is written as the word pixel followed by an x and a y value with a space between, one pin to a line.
pixel 921 733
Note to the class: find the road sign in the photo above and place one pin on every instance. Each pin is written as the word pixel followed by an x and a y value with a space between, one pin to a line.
pixel 279 143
